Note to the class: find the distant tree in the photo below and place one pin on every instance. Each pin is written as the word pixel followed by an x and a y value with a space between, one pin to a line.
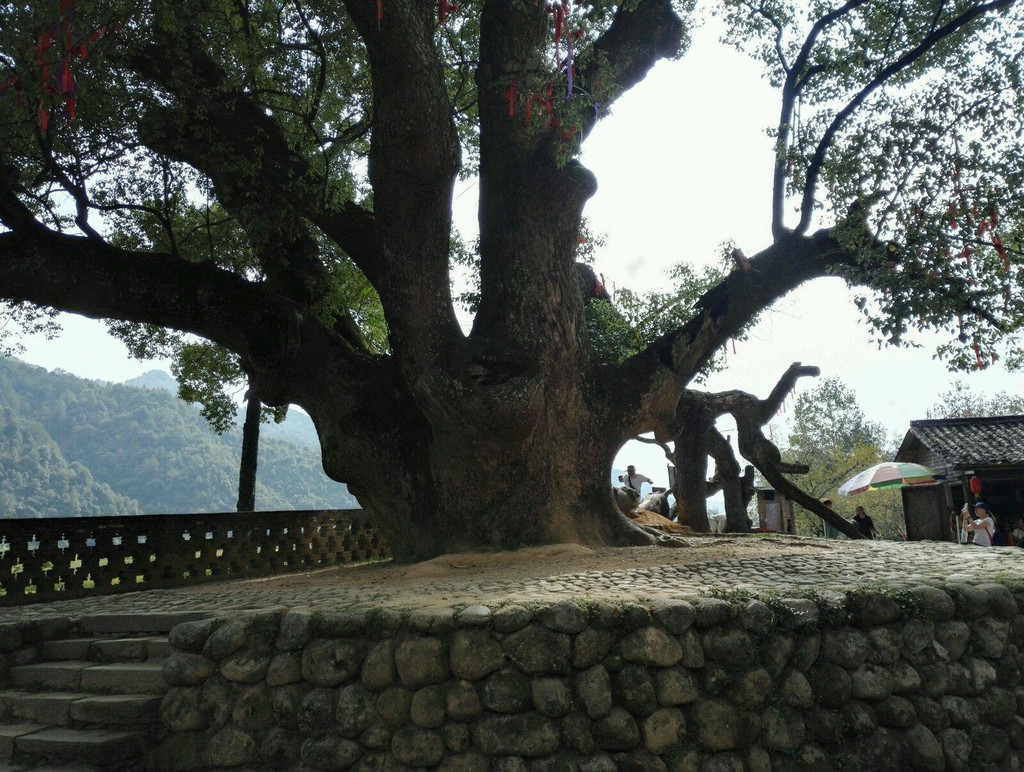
pixel 828 421
pixel 833 438
pixel 959 401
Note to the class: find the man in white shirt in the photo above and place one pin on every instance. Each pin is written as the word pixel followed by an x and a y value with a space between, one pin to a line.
pixel 982 525
pixel 633 479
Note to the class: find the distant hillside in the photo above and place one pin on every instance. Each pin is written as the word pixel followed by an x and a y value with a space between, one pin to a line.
pixel 296 428
pixel 36 479
pixel 154 379
pixel 153 452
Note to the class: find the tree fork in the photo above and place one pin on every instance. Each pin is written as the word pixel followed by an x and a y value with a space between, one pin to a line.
pixel 751 414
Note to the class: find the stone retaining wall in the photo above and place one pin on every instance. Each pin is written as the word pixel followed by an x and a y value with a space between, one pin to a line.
pixel 924 678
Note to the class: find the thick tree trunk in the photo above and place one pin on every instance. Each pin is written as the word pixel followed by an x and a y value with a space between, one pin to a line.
pixel 728 470
pixel 691 459
pixel 533 467
pixel 250 451
pixel 502 493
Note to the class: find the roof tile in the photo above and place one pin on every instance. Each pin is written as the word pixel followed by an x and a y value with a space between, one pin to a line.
pixel 990 441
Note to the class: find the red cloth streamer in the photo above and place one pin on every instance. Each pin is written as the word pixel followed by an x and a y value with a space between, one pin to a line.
pixel 1001 250
pixel 977 355
pixel 380 12
pixel 66 84
pixel 511 97
pixel 83 50
pixel 443 9
pixel 952 217
pixel 558 11
pixel 966 254
pixel 529 108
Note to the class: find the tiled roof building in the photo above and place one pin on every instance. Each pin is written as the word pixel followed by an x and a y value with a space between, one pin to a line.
pixel 965 443
pixel 957 449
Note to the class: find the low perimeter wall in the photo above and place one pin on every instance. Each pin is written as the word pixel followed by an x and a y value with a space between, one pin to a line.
pixel 924 678
pixel 58 558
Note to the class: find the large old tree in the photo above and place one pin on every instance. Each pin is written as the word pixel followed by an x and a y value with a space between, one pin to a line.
pixel 265 174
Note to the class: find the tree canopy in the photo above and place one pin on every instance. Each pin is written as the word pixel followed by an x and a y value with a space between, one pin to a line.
pixel 959 401
pixel 833 438
pixel 276 179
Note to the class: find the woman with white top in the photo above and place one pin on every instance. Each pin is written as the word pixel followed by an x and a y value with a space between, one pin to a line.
pixel 982 525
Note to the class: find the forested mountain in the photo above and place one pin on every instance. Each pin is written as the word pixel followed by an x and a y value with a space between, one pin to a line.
pixel 36 479
pixel 119 449
pixel 297 428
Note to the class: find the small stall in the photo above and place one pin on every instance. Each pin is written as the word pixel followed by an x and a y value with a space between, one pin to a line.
pixel 774 511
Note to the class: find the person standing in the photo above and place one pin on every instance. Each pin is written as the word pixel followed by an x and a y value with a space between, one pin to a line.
pixel 981 525
pixel 864 523
pixel 633 479
pixel 1018 532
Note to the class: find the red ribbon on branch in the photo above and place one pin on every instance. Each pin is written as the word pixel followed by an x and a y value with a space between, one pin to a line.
pixel 63 87
pixel 443 9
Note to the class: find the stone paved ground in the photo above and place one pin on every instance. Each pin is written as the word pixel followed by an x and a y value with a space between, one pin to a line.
pixel 786 566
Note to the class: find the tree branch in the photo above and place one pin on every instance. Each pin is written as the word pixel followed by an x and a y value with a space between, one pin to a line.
pixel 796 371
pixel 90 277
pixel 663 368
pixel 751 414
pixel 86 276
pixel 256 175
pixel 413 162
pixel 637 38
pixel 930 41
pixel 796 78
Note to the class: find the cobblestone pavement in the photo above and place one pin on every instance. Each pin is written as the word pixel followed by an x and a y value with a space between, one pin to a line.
pixel 676 574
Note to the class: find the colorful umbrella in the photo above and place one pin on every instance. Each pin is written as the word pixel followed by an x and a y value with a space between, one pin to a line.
pixel 891 474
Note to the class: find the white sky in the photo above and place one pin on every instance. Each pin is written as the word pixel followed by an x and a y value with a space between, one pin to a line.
pixel 683 164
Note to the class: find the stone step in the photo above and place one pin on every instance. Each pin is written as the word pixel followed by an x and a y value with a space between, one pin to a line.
pixel 11 732
pixel 154 623
pixel 123 678
pixel 63 676
pixel 92 746
pixel 78 676
pixel 107 649
pixel 78 709
pixel 120 709
pixel 51 708
pixel 74 648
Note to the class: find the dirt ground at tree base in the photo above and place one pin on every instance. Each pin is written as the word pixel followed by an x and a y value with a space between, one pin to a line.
pixel 561 559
